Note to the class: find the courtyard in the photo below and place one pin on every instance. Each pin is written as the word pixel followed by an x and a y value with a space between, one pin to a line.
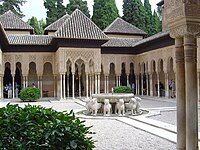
pixel 155 130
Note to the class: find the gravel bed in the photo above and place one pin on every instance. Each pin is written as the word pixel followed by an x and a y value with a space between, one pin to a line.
pixel 115 135
pixel 146 103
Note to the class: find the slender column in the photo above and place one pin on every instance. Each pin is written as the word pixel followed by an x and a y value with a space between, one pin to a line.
pixel 79 85
pixel 99 82
pixel 41 88
pixel 181 107
pixel 142 82
pixel 107 84
pixel 93 76
pixel 190 51
pixel 54 91
pixel 1 86
pixel 13 86
pixel 26 81
pixel 87 85
pixel 137 87
pixel 198 83
pixel 67 84
pixel 64 89
pixel 119 80
pixel 127 80
pixel 147 84
pixel 158 86
pixel 73 96
pixel 151 84
pixel 166 85
pixel 61 88
pixel 90 85
pixel 38 84
pixel 95 83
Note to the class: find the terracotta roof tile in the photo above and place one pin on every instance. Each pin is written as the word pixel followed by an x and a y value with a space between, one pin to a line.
pixel 29 39
pixel 58 23
pixel 79 26
pixel 11 21
pixel 119 26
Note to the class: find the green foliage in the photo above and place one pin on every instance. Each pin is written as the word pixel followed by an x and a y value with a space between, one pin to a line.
pixel 134 13
pixel 81 5
pixel 37 25
pixel 29 94
pixel 157 26
pixel 104 12
pixel 38 128
pixel 13 5
pixel 55 10
pixel 122 89
pixel 148 18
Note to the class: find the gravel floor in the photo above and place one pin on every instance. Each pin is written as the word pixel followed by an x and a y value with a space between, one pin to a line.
pixel 146 103
pixel 114 135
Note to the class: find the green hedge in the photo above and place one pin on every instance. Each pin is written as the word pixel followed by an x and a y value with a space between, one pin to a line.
pixel 38 128
pixel 29 94
pixel 122 89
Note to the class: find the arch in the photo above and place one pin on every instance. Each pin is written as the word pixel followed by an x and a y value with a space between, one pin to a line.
pixel 32 74
pixel 111 76
pixel 102 77
pixel 123 77
pixel 161 78
pixel 48 80
pixel 171 76
pixel 7 79
pixel 18 78
pixel 132 76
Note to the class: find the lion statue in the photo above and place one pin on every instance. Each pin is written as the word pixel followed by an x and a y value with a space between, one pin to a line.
pixel 92 106
pixel 106 107
pixel 119 107
pixel 131 105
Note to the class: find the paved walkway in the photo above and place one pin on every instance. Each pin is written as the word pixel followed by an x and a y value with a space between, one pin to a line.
pixel 123 133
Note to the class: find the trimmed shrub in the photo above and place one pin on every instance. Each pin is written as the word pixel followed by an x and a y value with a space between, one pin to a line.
pixel 38 128
pixel 122 89
pixel 29 94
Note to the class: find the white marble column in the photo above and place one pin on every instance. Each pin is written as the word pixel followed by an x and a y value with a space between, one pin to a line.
pixel 61 87
pixel 54 87
pixel 151 84
pixel 93 78
pixel 24 81
pixel 142 82
pixel 99 82
pixel 190 52
pixel 96 83
pixel 127 80
pixel 105 84
pixel 13 86
pixel 1 79
pixel 147 83
pixel 67 84
pixel 73 93
pixel 87 85
pixel 90 85
pixel 79 85
pixel 198 85
pixel 107 79
pixel 119 83
pixel 166 85
pixel 181 103
pixel 64 89
pixel 137 85
pixel 158 86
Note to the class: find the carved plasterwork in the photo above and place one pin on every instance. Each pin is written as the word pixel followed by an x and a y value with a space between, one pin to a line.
pixel 18 58
pixel 7 58
pixel 32 58
pixel 47 59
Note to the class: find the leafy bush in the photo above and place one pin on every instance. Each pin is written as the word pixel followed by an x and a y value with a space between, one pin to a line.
pixel 38 128
pixel 29 94
pixel 122 89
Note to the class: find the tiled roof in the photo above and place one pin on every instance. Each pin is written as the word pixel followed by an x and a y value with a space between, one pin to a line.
pixel 120 42
pixel 11 21
pixel 58 23
pixel 29 39
pixel 79 26
pixel 122 27
pixel 151 38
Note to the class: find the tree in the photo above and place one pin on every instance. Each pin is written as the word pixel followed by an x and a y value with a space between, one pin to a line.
pixel 81 5
pixel 148 18
pixel 37 25
pixel 134 13
pixel 13 5
pixel 157 26
pixel 104 12
pixel 55 10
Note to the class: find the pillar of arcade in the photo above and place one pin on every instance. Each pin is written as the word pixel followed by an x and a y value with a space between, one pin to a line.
pixel 183 23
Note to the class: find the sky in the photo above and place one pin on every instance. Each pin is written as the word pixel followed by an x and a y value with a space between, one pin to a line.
pixel 36 8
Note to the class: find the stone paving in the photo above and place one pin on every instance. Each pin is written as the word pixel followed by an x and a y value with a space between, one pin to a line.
pixel 123 133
